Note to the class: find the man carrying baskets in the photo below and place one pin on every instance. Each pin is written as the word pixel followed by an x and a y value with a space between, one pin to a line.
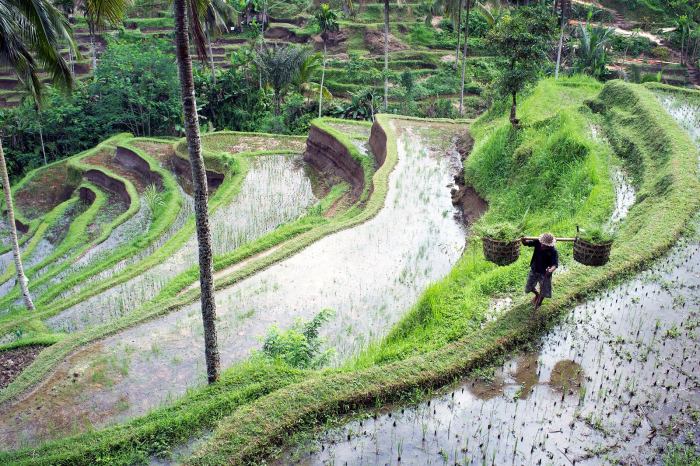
pixel 545 260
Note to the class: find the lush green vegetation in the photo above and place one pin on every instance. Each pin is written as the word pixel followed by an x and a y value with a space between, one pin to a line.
pixel 542 171
pixel 445 327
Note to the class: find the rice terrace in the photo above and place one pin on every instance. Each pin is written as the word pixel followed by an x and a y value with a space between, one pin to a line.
pixel 350 232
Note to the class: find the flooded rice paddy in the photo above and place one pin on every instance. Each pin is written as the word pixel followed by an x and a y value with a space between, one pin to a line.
pixel 616 381
pixel 369 275
pixel 685 110
pixel 276 190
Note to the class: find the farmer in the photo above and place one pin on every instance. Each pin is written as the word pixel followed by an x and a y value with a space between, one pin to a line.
pixel 545 260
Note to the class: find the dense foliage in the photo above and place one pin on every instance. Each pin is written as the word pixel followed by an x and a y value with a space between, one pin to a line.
pixel 135 90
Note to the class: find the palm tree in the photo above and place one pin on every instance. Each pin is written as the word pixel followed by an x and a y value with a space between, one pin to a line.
pixel 464 60
pixel 563 7
pixel 187 13
pixel 31 35
pixel 328 22
pixel 683 25
pixel 593 47
pixel 307 70
pixel 218 16
pixel 100 14
pixel 386 55
pixel 458 24
pixel 279 66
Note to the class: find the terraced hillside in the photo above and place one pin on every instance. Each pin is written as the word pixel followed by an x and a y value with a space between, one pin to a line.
pixel 365 229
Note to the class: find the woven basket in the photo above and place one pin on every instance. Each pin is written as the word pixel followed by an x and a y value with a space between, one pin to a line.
pixel 590 253
pixel 501 252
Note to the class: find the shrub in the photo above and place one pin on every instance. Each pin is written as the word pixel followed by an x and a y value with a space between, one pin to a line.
pixel 631 45
pixel 299 346
pixel 662 53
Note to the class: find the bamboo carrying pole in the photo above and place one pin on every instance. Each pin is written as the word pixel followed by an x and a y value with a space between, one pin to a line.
pixel 565 240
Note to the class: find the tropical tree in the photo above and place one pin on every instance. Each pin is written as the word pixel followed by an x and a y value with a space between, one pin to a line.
pixel 464 60
pixel 100 14
pixel 219 14
pixel 386 55
pixel 386 52
pixel 521 40
pixel 307 70
pixel 279 66
pixel 328 22
pixel 186 14
pixel 592 53
pixel 31 36
pixel 683 25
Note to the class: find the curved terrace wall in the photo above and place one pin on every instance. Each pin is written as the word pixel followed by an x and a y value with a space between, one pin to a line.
pixel 105 181
pixel 326 154
pixel 131 160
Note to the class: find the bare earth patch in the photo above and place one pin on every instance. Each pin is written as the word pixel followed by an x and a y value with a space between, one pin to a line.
pixel 13 362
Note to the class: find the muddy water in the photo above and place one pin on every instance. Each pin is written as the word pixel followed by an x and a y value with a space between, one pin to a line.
pixel 124 233
pixel 137 224
pixel 625 197
pixel 370 275
pixel 275 190
pixel 617 381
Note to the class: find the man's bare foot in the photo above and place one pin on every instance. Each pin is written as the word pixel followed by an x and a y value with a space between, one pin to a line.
pixel 538 302
pixel 534 299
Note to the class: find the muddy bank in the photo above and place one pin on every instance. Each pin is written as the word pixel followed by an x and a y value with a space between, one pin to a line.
pixel 464 197
pixel 327 155
pixel 133 162
pixel 13 362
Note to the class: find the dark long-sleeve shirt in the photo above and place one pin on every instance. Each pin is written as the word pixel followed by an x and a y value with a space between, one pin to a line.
pixel 543 257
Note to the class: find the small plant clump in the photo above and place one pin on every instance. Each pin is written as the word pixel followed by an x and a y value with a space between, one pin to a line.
pixel 596 235
pixel 501 231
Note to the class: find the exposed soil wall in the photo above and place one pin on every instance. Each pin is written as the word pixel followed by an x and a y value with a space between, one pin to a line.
pixel 21 227
pixel 326 154
pixel 464 196
pixel 377 142
pixel 282 33
pixel 182 168
pixel 111 184
pixel 134 162
pixel 374 41
pixel 87 195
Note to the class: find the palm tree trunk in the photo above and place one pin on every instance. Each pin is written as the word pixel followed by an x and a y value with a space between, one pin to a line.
pixel 323 78
pixel 43 148
pixel 459 31
pixel 386 55
pixel 211 57
pixel 93 48
pixel 514 110
pixel 21 278
pixel 464 61
pixel 278 102
pixel 561 45
pixel 199 182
